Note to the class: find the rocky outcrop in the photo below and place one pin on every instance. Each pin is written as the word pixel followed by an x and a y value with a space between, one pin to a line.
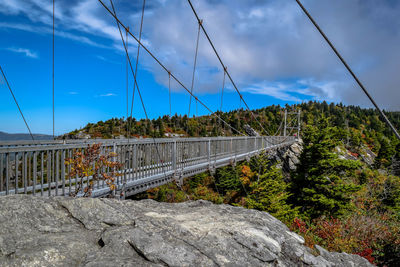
pixel 250 131
pixel 59 231
pixel 363 153
pixel 287 157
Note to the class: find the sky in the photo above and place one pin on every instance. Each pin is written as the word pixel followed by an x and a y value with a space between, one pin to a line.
pixel 273 53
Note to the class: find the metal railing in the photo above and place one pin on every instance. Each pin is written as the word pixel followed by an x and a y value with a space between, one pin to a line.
pixel 39 168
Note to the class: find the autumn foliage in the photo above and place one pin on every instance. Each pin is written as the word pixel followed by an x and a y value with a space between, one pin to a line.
pixel 95 165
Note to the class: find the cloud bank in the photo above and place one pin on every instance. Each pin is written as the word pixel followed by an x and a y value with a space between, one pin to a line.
pixel 270 47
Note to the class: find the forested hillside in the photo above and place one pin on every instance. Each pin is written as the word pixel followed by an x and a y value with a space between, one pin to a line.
pixel 343 195
pixel 360 126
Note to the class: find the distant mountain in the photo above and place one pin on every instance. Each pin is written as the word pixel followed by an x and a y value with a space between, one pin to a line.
pixel 22 136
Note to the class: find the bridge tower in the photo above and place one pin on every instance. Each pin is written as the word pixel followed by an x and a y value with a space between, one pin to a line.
pixel 292 122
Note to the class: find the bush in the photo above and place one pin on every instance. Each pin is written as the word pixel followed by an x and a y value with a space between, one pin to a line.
pixel 92 163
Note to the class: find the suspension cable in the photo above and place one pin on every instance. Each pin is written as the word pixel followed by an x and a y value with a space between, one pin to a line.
pixel 349 69
pixel 194 65
pixel 138 89
pixel 193 76
pixel 222 90
pixel 279 128
pixel 15 100
pixel 130 63
pixel 223 66
pixel 137 57
pixel 163 66
pixel 222 97
pixel 227 73
pixel 169 93
pixel 53 71
pixel 127 88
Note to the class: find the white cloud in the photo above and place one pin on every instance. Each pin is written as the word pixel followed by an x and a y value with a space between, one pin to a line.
pixel 48 30
pixel 108 94
pixel 265 44
pixel 25 51
pixel 294 91
pixel 100 57
pixel 72 93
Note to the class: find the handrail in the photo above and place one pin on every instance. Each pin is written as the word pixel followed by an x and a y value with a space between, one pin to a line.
pixel 39 167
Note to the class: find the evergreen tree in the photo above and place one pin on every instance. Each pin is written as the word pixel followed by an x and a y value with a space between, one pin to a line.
pixel 228 179
pixel 269 193
pixel 319 186
pixel 385 155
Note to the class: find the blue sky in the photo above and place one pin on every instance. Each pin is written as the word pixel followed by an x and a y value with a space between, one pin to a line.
pixel 271 50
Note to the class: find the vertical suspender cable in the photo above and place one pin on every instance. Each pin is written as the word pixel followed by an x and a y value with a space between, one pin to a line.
pixel 169 92
pixel 15 100
pixel 349 69
pixel 194 66
pixel 137 56
pixel 227 73
pixel 127 87
pixel 137 86
pixel 53 70
pixel 222 95
pixel 163 66
pixel 222 90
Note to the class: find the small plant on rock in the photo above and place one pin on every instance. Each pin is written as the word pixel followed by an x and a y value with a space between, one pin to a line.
pixel 95 166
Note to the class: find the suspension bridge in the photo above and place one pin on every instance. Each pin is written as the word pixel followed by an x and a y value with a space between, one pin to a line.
pixel 39 167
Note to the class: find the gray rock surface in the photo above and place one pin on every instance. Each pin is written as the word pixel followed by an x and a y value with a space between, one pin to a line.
pixel 287 157
pixel 59 231
pixel 250 131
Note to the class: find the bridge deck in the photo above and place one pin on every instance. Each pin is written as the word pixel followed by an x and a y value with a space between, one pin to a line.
pixel 39 167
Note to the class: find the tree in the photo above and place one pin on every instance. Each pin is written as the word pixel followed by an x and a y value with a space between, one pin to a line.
pixel 385 155
pixel 318 186
pixel 269 193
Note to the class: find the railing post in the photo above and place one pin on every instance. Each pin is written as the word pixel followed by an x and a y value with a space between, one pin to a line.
pixel 209 151
pixel 25 173
pixel 134 162
pixel 114 159
pixel 57 165
pixel 7 173
pixel 34 172
pixel 174 156
pixel 49 172
pixel 62 171
pixel 1 173
pixel 16 172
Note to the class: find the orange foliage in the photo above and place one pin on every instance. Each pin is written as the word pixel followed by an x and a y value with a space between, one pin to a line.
pixel 246 176
pixel 92 163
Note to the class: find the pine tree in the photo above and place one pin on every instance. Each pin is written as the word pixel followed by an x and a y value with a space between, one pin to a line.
pixel 269 193
pixel 319 186
pixel 386 153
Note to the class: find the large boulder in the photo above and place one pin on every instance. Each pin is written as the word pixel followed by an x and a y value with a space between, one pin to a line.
pixel 37 231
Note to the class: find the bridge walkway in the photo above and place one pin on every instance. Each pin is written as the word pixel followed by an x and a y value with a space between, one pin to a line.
pixel 39 168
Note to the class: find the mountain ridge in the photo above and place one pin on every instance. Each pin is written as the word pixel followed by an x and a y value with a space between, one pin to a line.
pixel 4 136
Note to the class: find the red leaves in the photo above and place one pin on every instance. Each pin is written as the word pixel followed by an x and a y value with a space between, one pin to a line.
pixel 300 225
pixel 94 164
pixel 367 253
pixel 363 235
pixel 329 229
